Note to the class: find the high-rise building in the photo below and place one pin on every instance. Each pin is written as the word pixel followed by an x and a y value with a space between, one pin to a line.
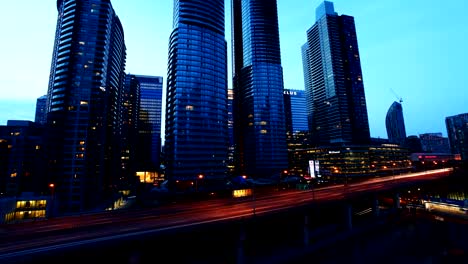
pixel 84 104
pixel 232 142
pixel 457 130
pixel 129 135
pixel 149 127
pixel 307 88
pixel 259 124
pixel 196 130
pixel 295 110
pixel 395 124
pixel 41 110
pixel 339 112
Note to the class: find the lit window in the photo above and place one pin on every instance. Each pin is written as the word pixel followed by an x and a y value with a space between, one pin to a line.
pixel 189 108
pixel 263 131
pixel 81 42
pixel 13 175
pixel 38 147
pixel 83 102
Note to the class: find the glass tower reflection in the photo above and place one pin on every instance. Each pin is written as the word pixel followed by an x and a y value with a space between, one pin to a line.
pixel 196 130
pixel 258 89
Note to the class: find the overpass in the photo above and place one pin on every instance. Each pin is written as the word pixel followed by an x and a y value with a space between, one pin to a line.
pixel 26 241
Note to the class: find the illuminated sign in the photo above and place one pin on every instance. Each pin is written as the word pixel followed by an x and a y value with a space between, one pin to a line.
pixel 333 152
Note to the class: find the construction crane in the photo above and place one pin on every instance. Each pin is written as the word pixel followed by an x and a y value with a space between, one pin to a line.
pixel 396 95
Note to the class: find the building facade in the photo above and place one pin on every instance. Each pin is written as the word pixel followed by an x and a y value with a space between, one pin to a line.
pixel 339 112
pixel 149 127
pixel 23 158
pixel 395 124
pixel 434 143
pixel 84 104
pixel 457 131
pixel 41 110
pixel 259 123
pixel 196 129
pixel 295 109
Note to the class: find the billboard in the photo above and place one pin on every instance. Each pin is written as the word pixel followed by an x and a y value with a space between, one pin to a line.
pixel 314 168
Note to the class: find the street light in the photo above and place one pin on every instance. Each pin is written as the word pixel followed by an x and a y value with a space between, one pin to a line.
pixel 199 177
pixel 52 193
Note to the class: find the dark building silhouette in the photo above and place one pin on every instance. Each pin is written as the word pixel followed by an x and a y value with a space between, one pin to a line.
pixel 395 124
pixel 295 110
pixel 196 130
pixel 413 143
pixel 84 104
pixel 434 143
pixel 149 127
pixel 23 158
pixel 129 135
pixel 259 125
pixel 41 110
pixel 457 131
pixel 339 112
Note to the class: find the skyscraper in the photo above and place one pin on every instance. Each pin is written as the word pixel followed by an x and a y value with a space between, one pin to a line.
pixel 41 110
pixel 339 112
pixel 196 100
pixel 129 135
pixel 84 102
pixel 307 84
pixel 295 110
pixel 259 124
pixel 457 130
pixel 149 128
pixel 395 124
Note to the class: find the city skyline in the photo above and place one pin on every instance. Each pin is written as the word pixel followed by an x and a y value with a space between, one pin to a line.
pixel 415 49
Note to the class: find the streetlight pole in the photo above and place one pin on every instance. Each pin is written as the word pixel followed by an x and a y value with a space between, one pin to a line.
pixel 199 177
pixel 52 194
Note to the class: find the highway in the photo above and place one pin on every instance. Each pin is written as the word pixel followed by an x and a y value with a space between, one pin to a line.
pixel 17 240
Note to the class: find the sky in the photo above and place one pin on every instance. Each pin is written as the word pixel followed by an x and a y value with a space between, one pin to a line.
pixel 411 50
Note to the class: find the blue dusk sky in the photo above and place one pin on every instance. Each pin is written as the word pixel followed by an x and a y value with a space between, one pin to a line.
pixel 415 50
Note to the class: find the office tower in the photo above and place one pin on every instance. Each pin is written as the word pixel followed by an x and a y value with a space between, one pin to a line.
pixel 336 85
pixel 84 104
pixel 149 128
pixel 395 124
pixel 434 143
pixel 129 135
pixel 196 127
pixel 307 84
pixel 295 110
pixel 457 131
pixel 231 153
pixel 259 124
pixel 41 110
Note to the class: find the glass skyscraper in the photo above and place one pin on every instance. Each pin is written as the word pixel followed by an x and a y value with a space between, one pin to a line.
pixel 335 83
pixel 295 110
pixel 259 122
pixel 149 128
pixel 84 101
pixel 457 130
pixel 196 127
pixel 395 124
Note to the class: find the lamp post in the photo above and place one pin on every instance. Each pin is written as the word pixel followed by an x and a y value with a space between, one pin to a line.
pixel 52 194
pixel 199 177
